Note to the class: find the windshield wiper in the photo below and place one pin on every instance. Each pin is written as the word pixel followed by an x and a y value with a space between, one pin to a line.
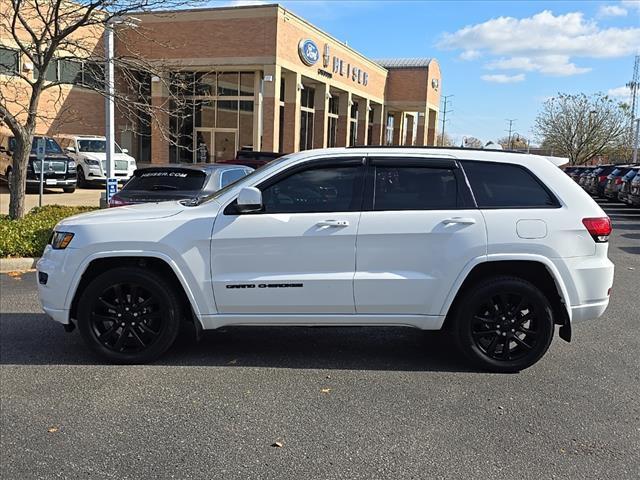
pixel 164 187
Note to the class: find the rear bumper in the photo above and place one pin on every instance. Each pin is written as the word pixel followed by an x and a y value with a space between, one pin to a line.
pixel 588 311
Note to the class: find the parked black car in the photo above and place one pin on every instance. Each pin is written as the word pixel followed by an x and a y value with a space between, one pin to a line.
pixel 614 181
pixel 584 176
pixel 598 179
pixel 625 186
pixel 159 183
pixel 59 168
pixel 252 159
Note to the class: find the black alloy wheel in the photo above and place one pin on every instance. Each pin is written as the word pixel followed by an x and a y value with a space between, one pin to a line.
pixel 82 180
pixel 129 315
pixel 504 324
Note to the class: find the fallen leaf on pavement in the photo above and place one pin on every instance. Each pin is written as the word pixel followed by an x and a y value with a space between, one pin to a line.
pixel 52 429
pixel 325 390
pixel 277 444
pixel 233 362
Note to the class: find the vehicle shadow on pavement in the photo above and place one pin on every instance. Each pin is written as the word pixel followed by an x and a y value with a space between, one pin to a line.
pixel 33 339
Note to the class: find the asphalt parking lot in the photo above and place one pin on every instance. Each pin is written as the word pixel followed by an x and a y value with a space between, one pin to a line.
pixel 342 403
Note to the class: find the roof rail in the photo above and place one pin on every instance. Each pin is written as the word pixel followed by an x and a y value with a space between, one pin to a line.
pixel 422 147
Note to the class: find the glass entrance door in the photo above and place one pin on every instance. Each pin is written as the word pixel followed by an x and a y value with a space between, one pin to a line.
pixel 225 142
pixel 214 144
pixel 203 145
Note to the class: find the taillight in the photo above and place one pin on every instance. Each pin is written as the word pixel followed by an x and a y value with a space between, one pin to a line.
pixel 117 202
pixel 599 228
pixel 602 178
pixel 618 181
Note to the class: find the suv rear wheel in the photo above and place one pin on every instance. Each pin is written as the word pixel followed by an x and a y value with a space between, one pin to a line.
pixel 504 324
pixel 129 315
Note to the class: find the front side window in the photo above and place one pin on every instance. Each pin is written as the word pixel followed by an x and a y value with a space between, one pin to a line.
pixel 321 189
pixel 414 188
pixel 96 146
pixel 230 176
pixel 503 185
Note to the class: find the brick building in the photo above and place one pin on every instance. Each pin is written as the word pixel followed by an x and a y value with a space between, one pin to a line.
pixel 262 78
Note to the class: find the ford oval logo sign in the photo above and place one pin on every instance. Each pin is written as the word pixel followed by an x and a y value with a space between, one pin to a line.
pixel 308 51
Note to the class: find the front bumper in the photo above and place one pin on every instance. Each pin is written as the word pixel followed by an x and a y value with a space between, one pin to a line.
pixel 64 182
pixel 53 293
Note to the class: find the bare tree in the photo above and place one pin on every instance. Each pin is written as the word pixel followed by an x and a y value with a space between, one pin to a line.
pixel 582 127
pixel 472 142
pixel 445 139
pixel 516 142
pixel 46 32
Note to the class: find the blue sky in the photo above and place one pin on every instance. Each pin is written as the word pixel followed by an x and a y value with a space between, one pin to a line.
pixel 499 59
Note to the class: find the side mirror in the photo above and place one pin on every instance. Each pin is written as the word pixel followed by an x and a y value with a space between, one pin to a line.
pixel 125 150
pixel 71 149
pixel 249 200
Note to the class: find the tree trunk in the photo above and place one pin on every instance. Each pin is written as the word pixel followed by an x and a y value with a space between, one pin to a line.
pixel 19 175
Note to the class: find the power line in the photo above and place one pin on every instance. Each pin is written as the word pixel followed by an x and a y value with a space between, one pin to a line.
pixel 510 120
pixel 444 117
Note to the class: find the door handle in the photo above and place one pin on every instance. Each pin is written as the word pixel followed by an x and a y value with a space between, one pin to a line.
pixel 333 223
pixel 459 220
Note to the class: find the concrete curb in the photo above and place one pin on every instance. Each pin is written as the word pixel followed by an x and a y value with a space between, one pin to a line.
pixel 17 264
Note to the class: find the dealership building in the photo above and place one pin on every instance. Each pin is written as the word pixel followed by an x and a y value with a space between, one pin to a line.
pixel 262 78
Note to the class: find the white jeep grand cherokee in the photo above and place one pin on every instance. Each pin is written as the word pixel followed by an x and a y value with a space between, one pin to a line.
pixel 496 247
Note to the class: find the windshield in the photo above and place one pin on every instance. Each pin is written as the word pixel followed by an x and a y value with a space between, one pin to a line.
pixel 50 145
pixel 243 180
pixel 95 145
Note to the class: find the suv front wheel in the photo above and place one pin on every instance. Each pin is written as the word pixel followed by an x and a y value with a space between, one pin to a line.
pixel 503 324
pixel 129 315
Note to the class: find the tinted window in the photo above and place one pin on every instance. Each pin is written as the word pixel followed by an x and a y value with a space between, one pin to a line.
pixel 327 189
pixel 170 180
pixel 414 188
pixel 96 146
pixel 505 185
pixel 50 145
pixel 9 61
pixel 227 177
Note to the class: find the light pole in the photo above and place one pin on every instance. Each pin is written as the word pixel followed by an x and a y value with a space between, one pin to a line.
pixel 109 109
pixel 637 139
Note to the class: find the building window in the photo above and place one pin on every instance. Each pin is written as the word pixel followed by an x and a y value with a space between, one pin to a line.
pixel 9 61
pixel 212 100
pixel 388 137
pixel 353 124
pixel 332 126
pixel 281 129
pixel 77 72
pixel 307 97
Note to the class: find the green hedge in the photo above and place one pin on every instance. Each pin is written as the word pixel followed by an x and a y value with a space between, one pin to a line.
pixel 28 236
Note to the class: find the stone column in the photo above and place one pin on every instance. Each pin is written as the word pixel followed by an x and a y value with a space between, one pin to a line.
pixel 421 136
pixel 409 130
pixel 431 130
pixel 398 126
pixel 344 110
pixel 378 124
pixel 159 123
pixel 271 110
pixel 320 118
pixel 363 121
pixel 291 136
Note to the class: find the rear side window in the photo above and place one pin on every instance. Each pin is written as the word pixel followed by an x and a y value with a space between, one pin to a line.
pixel 503 185
pixel 414 188
pixel 172 180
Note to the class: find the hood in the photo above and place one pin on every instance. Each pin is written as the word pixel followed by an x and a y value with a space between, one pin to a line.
pixel 103 156
pixel 129 213
pixel 141 196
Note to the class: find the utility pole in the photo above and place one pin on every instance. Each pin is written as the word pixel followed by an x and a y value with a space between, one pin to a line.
pixel 636 140
pixel 510 120
pixel 444 117
pixel 634 85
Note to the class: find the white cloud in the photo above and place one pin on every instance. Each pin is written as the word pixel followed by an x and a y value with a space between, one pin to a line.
pixel 631 4
pixel 612 11
pixel 620 93
pixel 501 78
pixel 543 42
pixel 470 55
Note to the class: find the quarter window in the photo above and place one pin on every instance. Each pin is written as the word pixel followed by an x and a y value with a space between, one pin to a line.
pixel 322 189
pixel 501 185
pixel 414 188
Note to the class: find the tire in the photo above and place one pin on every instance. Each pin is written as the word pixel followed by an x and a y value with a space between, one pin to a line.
pixel 503 311
pixel 129 315
pixel 69 189
pixel 82 180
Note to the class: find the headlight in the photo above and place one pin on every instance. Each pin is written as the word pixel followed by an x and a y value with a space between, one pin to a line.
pixel 132 163
pixel 71 165
pixel 60 240
pixel 94 163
